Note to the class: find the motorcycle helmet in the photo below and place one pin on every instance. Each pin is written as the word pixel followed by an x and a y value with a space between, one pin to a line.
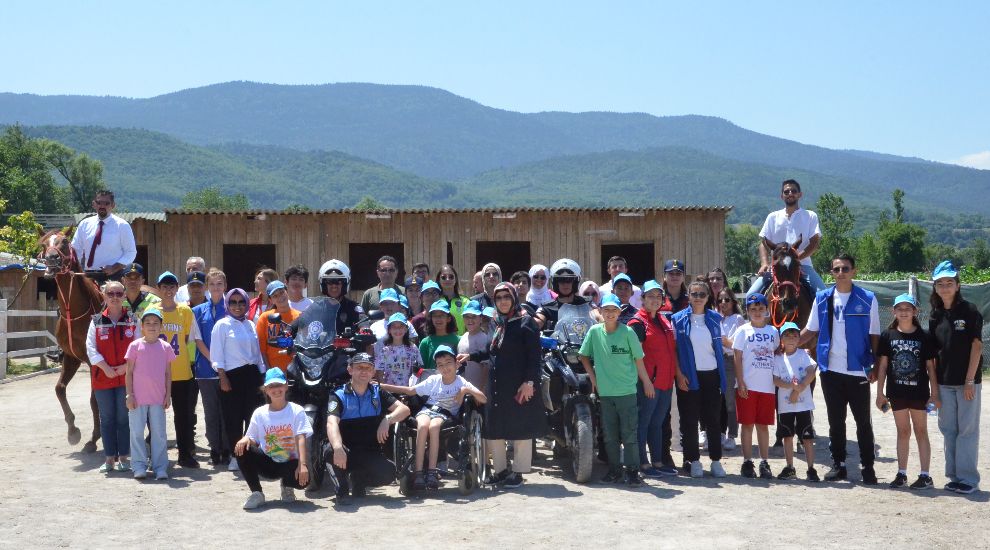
pixel 565 269
pixel 335 270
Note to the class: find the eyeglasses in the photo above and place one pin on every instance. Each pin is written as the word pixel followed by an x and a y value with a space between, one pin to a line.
pixel 115 294
pixel 447 277
pixel 386 270
pixel 789 192
pixel 491 275
pixel 236 303
pixel 841 269
pixel 699 294
pixel 539 277
pixel 725 300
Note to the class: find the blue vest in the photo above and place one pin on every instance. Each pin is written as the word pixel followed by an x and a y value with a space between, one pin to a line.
pixel 207 314
pixel 685 350
pixel 859 352
pixel 359 406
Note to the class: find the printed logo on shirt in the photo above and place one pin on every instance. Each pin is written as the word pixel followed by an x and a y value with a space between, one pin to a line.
pixel 619 350
pixel 280 445
pixel 959 324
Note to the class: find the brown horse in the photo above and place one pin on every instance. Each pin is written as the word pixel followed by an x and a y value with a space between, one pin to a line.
pixel 79 298
pixel 786 297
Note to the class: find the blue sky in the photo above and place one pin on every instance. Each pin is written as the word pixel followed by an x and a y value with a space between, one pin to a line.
pixel 907 78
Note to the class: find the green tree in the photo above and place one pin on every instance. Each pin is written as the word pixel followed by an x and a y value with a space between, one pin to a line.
pixel 979 254
pixel 741 254
pixel 836 222
pixel 297 208
pixel 19 235
pixel 370 204
pixel 895 246
pixel 83 174
pixel 26 180
pixel 898 206
pixel 937 252
pixel 212 198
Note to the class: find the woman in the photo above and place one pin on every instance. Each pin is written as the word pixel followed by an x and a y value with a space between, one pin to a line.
pixel 237 358
pixel 589 290
pixel 955 326
pixel 106 343
pixel 522 282
pixel 732 319
pixel 717 280
pixel 515 412
pixel 539 291
pixel 657 336
pixel 674 288
pixel 701 377
pixel 261 302
pixel 450 290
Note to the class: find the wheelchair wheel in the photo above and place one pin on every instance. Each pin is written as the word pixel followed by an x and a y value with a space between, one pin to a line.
pixel 583 444
pixel 402 453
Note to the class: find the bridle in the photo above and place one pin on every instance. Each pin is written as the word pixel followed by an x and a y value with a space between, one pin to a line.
pixel 59 265
pixel 776 298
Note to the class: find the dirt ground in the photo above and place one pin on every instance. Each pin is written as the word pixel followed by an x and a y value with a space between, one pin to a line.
pixel 52 496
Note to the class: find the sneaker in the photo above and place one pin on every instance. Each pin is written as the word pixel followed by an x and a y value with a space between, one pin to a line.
pixel 140 474
pixel 696 469
pixel 900 480
pixel 432 480
pixel 632 478
pixel 748 470
pixel 612 477
pixel 813 475
pixel 923 482
pixel 123 466
pixel 233 467
pixel 419 481
pixel 256 499
pixel 869 476
pixel 729 444
pixel 652 472
pixel 765 472
pixel 965 489
pixel 837 473
pixel 288 494
pixel 667 470
pixel 703 440
pixel 787 473
pixel 161 476
pixel 188 462
pixel 514 480
pixel 951 486
pixel 106 468
pixel 717 469
pixel 496 479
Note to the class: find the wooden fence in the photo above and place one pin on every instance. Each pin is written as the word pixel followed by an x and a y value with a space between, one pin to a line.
pixel 5 336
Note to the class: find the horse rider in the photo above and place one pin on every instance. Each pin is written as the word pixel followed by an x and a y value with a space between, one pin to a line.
pixel 104 243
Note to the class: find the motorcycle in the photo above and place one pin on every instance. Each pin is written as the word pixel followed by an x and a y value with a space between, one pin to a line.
pixel 572 407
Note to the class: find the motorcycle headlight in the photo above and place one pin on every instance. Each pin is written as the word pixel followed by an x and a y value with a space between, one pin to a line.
pixel 312 366
pixel 572 357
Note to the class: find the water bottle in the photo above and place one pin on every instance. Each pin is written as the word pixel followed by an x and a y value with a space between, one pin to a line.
pixel 932 411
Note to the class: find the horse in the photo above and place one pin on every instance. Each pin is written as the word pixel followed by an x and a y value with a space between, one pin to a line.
pixel 788 301
pixel 79 299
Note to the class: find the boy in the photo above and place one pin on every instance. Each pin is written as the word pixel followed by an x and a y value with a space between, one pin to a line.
pixel 793 372
pixel 148 381
pixel 444 393
pixel 754 346
pixel 618 363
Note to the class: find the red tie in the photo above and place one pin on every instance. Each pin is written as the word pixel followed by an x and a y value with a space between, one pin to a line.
pixel 96 242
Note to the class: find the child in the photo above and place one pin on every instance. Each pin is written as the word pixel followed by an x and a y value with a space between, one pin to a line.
pixel 793 372
pixel 149 393
pixel 472 341
pixel 444 393
pixel 618 363
pixel 754 345
pixel 442 331
pixel 906 361
pixel 396 358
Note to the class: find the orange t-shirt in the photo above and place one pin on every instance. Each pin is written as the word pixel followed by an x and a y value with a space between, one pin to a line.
pixel 268 330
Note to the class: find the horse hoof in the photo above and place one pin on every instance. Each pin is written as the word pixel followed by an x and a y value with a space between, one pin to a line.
pixel 89 447
pixel 74 436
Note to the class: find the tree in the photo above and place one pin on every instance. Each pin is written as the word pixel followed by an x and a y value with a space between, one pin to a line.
pixel 26 180
pixel 19 235
pixel 896 245
pixel 836 223
pixel 370 204
pixel 979 254
pixel 83 174
pixel 297 208
pixel 212 198
pixel 898 206
pixel 741 254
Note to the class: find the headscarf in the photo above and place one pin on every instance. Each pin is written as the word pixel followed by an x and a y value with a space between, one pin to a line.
pixel 226 302
pixel 591 284
pixel 501 320
pixel 543 295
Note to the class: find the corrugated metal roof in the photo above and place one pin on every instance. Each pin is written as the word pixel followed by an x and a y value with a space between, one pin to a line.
pixel 129 216
pixel 461 210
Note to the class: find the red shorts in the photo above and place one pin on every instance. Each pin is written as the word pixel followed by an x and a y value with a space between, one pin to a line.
pixel 758 408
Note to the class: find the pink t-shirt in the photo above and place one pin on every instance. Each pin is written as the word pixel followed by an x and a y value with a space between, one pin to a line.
pixel 150 360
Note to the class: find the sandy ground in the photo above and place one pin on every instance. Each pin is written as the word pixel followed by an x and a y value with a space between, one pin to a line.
pixel 52 496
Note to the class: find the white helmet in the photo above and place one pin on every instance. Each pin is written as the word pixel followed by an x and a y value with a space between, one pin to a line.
pixel 562 269
pixel 334 269
pixel 565 264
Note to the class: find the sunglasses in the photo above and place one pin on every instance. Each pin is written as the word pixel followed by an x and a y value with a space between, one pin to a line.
pixel 115 294
pixel 387 270
pixel 103 203
pixel 491 275
pixel 592 294
pixel 715 279
pixel 447 277
pixel 789 192
pixel 699 294
pixel 539 276
pixel 725 300
pixel 841 269
pixel 236 303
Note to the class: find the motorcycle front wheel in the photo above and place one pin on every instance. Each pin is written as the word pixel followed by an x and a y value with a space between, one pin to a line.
pixel 582 444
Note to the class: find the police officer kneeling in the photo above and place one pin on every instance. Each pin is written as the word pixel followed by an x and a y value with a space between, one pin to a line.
pixel 358 421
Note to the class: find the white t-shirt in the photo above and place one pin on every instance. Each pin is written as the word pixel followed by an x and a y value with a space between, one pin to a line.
pixel 635 301
pixel 802 224
pixel 701 341
pixel 443 395
pixel 182 295
pixel 301 305
pixel 276 431
pixel 793 368
pixel 837 361
pixel 757 346
pixel 729 326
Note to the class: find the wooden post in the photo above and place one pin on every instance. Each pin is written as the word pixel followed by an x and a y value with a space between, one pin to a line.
pixel 913 287
pixel 3 338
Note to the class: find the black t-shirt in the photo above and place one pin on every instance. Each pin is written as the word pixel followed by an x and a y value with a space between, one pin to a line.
pixel 907 354
pixel 953 332
pixel 360 415
pixel 551 310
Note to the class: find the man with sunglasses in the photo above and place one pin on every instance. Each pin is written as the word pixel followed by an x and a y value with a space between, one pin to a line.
pixel 846 321
pixel 387 271
pixel 104 242
pixel 790 224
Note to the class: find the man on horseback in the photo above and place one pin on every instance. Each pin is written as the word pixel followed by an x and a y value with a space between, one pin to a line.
pixel 104 242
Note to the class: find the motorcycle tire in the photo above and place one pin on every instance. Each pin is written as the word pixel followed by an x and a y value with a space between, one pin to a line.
pixel 583 443
pixel 318 470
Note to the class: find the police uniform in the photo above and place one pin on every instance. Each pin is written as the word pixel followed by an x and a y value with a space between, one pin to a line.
pixel 360 416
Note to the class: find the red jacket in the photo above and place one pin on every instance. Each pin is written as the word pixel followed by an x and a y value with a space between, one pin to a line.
pixel 660 354
pixel 111 342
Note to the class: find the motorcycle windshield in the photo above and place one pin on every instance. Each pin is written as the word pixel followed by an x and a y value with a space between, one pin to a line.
pixel 573 323
pixel 316 328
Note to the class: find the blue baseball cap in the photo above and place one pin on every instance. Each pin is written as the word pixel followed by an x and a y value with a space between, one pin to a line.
pixel 274 286
pixel 611 300
pixel 396 318
pixel 134 268
pixel 444 350
pixel 488 311
pixel 472 308
pixel 274 376
pixel 152 311
pixel 673 265
pixel 429 285
pixel 389 295
pixel 196 277
pixel 788 326
pixel 440 305
pixel 403 301
pixel 168 277
pixel 756 299
pixel 905 298
pixel 652 284
pixel 412 280
pixel 621 277
pixel 945 270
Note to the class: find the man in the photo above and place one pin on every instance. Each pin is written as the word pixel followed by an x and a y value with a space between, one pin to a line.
pixel 789 225
pixel 491 276
pixel 477 283
pixel 193 264
pixel 335 281
pixel 195 288
pixel 565 275
pixel 104 242
pixel 136 299
pixel 359 417
pixel 846 320
pixel 296 279
pixel 616 265
pixel 421 271
pixel 387 272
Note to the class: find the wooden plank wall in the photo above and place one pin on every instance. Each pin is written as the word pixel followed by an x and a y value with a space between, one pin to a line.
pixel 28 299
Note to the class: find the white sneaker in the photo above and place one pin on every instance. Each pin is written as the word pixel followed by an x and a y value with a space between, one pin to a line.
pixel 729 444
pixel 233 467
pixel 256 499
pixel 703 440
pixel 288 494
pixel 717 469
pixel 696 469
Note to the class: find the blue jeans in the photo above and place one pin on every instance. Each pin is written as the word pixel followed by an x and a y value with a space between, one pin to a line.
pixel 651 415
pixel 154 416
pixel 959 422
pixel 114 427
pixel 808 275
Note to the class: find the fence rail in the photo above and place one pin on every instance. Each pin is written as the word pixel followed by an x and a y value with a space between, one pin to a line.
pixel 5 336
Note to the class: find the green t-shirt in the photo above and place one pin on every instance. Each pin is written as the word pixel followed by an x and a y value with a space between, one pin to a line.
pixel 431 343
pixel 615 359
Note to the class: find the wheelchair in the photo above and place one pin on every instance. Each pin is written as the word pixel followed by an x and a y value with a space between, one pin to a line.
pixel 461 436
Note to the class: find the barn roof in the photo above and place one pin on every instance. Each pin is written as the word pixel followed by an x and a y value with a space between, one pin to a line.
pixel 500 209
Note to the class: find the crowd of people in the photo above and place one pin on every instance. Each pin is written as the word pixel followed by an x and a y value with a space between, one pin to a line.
pixel 731 371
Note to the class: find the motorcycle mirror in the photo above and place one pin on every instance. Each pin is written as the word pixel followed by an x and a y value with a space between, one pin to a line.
pixel 274 318
pixel 376 315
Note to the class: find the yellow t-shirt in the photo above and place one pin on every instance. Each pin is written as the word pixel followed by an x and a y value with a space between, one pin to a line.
pixel 176 327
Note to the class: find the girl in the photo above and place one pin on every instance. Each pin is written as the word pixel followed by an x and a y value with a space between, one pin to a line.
pixel 732 319
pixel 717 281
pixel 674 288
pixel 473 341
pixel 907 363
pixel 450 290
pixel 396 358
pixel 589 289
pixel 261 302
pixel 149 393
pixel 441 331
pixel 539 291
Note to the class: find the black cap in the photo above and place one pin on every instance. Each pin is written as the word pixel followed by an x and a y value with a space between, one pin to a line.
pixel 673 265
pixel 196 277
pixel 134 268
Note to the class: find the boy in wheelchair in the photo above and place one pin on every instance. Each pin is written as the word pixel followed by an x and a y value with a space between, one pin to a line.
pixel 444 394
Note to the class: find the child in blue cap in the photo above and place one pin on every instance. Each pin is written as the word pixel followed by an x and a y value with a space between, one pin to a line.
pixel 754 345
pixel 793 372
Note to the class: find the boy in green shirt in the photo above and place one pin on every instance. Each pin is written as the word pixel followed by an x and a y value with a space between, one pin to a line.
pixel 618 363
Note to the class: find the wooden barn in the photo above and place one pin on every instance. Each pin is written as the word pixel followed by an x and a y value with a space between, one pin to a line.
pixel 514 238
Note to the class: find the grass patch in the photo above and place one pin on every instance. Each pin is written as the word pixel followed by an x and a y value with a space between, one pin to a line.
pixel 22 367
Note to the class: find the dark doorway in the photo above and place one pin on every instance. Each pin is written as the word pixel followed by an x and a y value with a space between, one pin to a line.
pixel 511 256
pixel 639 260
pixel 364 262
pixel 242 261
pixel 450 253
pixel 142 257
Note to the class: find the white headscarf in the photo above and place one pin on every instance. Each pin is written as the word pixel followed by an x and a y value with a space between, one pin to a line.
pixel 591 284
pixel 535 296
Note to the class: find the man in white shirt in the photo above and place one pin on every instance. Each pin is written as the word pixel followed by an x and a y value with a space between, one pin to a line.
pixel 296 279
pixel 616 265
pixel 790 225
pixel 194 263
pixel 104 242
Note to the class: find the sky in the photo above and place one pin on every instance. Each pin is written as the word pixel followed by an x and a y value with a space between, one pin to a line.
pixel 906 78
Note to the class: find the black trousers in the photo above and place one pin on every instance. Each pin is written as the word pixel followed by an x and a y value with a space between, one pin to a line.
pixel 841 391
pixel 694 405
pixel 255 464
pixel 238 404
pixel 185 394
pixel 365 468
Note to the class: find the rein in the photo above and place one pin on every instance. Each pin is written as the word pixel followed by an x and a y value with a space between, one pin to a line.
pixel 775 300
